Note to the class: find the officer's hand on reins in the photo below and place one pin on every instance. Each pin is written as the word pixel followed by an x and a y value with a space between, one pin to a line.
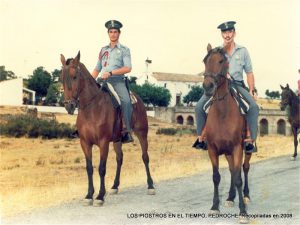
pixel 253 93
pixel 105 75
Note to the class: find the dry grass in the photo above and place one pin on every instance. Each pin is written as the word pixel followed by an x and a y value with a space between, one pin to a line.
pixel 40 173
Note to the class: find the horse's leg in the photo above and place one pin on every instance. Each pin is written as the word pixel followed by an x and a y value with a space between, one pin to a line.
pixel 246 168
pixel 119 158
pixel 104 145
pixel 232 191
pixel 142 136
pixel 294 130
pixel 237 179
pixel 216 179
pixel 87 150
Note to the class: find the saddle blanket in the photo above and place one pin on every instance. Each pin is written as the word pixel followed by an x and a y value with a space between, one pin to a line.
pixel 115 97
pixel 238 97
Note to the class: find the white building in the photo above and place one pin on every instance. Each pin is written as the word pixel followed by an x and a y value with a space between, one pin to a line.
pixel 11 92
pixel 179 85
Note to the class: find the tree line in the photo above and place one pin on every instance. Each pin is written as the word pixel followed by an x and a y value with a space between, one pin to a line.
pixel 47 87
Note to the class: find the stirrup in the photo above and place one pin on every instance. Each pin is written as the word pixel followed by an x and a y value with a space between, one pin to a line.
pixel 74 134
pixel 250 147
pixel 126 138
pixel 200 145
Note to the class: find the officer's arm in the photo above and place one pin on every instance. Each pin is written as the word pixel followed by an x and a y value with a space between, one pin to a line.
pixel 95 73
pixel 126 64
pixel 121 71
pixel 250 81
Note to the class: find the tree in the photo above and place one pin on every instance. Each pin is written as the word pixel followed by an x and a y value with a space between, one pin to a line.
pixel 272 94
pixel 52 94
pixel 39 81
pixel 55 75
pixel 160 96
pixel 152 95
pixel 6 75
pixel 194 95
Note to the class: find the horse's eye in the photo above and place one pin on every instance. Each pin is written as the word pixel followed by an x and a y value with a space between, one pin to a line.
pixel 221 61
pixel 75 77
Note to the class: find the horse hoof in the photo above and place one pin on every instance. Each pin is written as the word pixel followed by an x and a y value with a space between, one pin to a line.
pixel 98 203
pixel 244 219
pixel 229 203
pixel 293 158
pixel 214 212
pixel 151 191
pixel 114 191
pixel 247 200
pixel 87 201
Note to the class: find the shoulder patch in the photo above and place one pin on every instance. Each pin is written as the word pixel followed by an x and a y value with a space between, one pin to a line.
pixel 102 52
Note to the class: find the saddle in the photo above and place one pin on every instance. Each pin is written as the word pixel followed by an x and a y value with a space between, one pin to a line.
pixel 107 87
pixel 116 102
pixel 240 100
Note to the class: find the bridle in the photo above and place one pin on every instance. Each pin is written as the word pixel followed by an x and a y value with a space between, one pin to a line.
pixel 216 76
pixel 75 95
pixel 286 101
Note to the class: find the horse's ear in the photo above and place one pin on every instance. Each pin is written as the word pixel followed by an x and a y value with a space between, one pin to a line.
pixel 281 87
pixel 209 47
pixel 62 59
pixel 77 58
pixel 287 86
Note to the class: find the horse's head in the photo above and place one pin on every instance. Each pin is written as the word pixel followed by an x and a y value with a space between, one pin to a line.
pixel 216 67
pixel 70 79
pixel 286 96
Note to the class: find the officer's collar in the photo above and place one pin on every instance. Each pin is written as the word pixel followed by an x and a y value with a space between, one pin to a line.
pixel 236 46
pixel 118 45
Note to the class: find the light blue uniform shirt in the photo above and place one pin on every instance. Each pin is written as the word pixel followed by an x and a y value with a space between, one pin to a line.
pixel 113 58
pixel 239 61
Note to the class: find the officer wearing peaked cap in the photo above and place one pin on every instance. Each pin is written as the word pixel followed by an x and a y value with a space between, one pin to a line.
pixel 239 62
pixel 227 26
pixel 113 24
pixel 113 63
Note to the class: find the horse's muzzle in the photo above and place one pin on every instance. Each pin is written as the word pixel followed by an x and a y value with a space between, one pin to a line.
pixel 282 107
pixel 209 88
pixel 70 106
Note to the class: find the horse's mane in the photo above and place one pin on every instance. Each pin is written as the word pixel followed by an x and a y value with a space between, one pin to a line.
pixel 293 93
pixel 84 70
pixel 68 61
pixel 215 50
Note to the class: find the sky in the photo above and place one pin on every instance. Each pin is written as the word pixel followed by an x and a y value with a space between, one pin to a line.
pixel 172 33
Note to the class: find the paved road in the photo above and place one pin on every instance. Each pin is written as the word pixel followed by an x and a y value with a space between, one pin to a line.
pixel 274 188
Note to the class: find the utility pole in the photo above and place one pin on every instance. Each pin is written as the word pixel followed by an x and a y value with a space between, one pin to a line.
pixel 147 61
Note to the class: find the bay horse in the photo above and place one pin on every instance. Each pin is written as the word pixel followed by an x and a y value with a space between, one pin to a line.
pixel 96 124
pixel 225 131
pixel 289 98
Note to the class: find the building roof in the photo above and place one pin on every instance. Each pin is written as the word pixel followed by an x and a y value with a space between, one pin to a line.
pixel 175 77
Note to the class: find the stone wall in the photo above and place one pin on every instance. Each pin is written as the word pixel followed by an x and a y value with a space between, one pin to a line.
pixel 270 121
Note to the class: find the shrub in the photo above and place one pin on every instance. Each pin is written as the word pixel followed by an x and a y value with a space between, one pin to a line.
pixel 24 125
pixel 167 131
pixel 77 160
pixel 177 131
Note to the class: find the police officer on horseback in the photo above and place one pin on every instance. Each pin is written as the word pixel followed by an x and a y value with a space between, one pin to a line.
pixel 239 61
pixel 113 63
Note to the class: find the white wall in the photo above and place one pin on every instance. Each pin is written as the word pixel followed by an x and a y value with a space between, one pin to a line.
pixel 175 88
pixel 11 92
